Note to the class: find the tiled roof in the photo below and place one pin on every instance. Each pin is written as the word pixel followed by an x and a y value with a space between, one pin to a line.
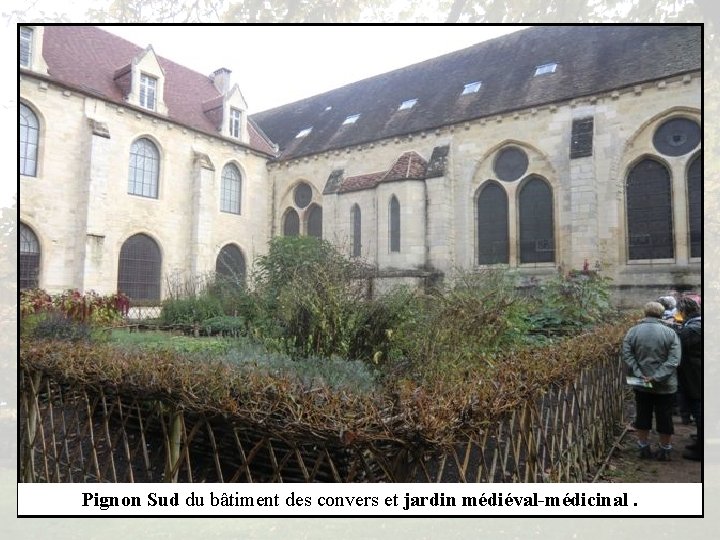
pixel 95 61
pixel 363 181
pixel 410 165
pixel 590 60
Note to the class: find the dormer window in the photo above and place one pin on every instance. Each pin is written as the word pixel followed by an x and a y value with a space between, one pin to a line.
pixel 545 68
pixel 303 132
pixel 471 88
pixel 351 119
pixel 407 104
pixel 148 91
pixel 235 123
pixel 26 41
pixel 30 49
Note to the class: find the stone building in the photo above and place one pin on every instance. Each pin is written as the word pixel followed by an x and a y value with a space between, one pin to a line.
pixel 552 147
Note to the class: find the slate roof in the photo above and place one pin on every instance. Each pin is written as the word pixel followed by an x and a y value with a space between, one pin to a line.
pixel 94 61
pixel 590 60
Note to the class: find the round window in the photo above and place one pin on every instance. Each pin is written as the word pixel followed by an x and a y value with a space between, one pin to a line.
pixel 303 195
pixel 677 136
pixel 510 164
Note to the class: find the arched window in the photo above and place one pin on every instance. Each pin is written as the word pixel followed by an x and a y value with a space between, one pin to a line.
pixel 537 238
pixel 694 195
pixel 230 265
pixel 29 132
pixel 230 189
pixel 315 221
pixel 492 223
pixel 144 169
pixel 29 258
pixel 139 268
pixel 357 230
pixel 649 211
pixel 394 225
pixel 291 223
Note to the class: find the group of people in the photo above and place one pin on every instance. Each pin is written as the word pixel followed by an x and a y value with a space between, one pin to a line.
pixel 664 354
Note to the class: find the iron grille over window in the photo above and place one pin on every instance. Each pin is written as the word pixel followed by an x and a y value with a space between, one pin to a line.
pixel 230 189
pixel 581 141
pixel 29 258
pixel 314 221
pixel 291 223
pixel 677 137
pixel 230 265
pixel 510 164
pixel 492 223
pixel 394 225
pixel 537 239
pixel 29 131
pixel 144 169
pixel 649 211
pixel 148 90
pixel 26 39
pixel 139 268
pixel 302 195
pixel 694 188
pixel 357 230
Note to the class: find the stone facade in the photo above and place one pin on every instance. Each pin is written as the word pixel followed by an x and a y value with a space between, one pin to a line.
pixel 79 207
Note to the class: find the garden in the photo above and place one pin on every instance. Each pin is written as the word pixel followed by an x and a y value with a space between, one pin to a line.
pixel 301 355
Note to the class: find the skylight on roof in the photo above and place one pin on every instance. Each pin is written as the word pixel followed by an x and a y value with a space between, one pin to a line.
pixel 471 88
pixel 351 119
pixel 407 104
pixel 545 68
pixel 303 132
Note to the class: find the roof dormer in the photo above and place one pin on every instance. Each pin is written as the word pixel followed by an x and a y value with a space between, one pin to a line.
pixel 229 110
pixel 31 45
pixel 143 82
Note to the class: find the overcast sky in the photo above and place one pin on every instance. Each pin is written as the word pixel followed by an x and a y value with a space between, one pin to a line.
pixel 275 65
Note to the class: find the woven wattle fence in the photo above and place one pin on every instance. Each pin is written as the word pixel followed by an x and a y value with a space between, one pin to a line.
pixel 73 431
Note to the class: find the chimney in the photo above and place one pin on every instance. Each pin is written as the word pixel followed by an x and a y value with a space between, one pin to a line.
pixel 221 80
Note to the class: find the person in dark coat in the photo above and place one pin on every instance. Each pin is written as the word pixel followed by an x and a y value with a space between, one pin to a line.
pixel 691 368
pixel 651 350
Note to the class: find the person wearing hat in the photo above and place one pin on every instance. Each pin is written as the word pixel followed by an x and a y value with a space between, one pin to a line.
pixel 690 370
pixel 651 350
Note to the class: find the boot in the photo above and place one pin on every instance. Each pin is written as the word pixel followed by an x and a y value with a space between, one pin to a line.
pixel 663 454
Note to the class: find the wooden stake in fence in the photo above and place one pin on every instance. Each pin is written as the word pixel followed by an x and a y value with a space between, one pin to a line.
pixel 33 413
pixel 174 442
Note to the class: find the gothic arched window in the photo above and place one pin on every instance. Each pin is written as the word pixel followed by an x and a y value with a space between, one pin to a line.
pixel 315 221
pixel 144 169
pixel 230 189
pixel 394 211
pixel 139 268
pixel 694 195
pixel 230 264
pixel 357 230
pixel 537 238
pixel 29 135
pixel 492 225
pixel 29 258
pixel 649 211
pixel 291 223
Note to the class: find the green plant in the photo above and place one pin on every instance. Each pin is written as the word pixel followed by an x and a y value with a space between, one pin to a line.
pixel 90 307
pixel 59 326
pixel 225 325
pixel 188 311
pixel 309 373
pixel 466 326
pixel 571 301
